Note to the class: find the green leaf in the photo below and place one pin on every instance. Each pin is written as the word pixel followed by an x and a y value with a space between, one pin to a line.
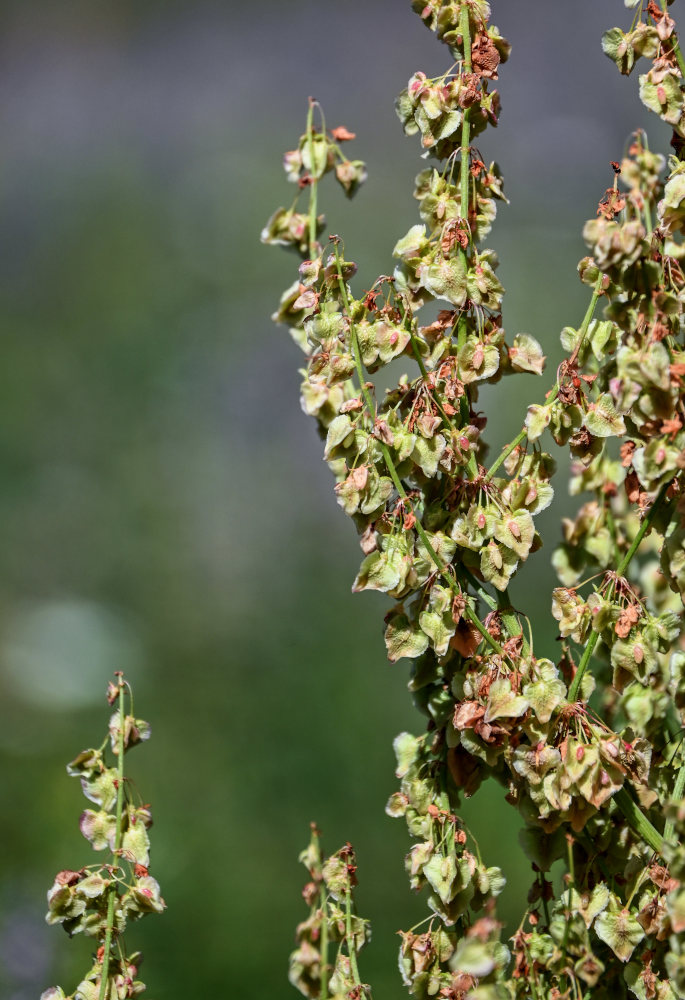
pixel 477 361
pixel 339 430
pixel 617 45
pixel 547 692
pixel 537 419
pixel 406 749
pixel 427 453
pixel 619 929
pixel 498 564
pixel 473 957
pixel 503 703
pixel 602 419
pixel 590 904
pixel 526 354
pixel 441 873
pixel 404 639
pixel 517 531
pixel 135 841
pixel 445 279
pixel 98 827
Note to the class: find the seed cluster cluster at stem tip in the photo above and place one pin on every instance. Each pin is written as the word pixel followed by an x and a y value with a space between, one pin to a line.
pixel 586 744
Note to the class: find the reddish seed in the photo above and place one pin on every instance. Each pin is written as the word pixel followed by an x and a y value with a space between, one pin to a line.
pixel 580 753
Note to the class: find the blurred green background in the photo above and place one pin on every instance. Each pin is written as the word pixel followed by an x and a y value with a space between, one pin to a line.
pixel 164 506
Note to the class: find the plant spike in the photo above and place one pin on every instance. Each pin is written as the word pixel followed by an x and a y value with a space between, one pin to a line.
pixel 439 533
pixel 99 900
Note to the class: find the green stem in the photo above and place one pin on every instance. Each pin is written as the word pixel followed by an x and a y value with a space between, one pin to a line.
pixel 545 908
pixel 113 895
pixel 639 822
pixel 462 328
pixel 620 571
pixel 571 887
pixel 509 619
pixel 314 182
pixel 678 789
pixel 324 942
pixel 585 326
pixel 351 950
pixel 674 42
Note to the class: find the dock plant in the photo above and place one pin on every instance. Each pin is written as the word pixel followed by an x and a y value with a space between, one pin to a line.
pixel 99 900
pixel 587 744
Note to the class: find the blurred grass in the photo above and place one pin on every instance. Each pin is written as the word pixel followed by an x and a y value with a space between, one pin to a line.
pixel 158 475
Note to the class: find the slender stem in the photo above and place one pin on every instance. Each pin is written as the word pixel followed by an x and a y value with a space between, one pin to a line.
pixel 545 908
pixel 620 571
pixel 508 616
pixel 585 326
pixel 351 950
pixel 313 180
pixel 678 789
pixel 675 44
pixel 324 942
pixel 113 895
pixel 639 822
pixel 571 887
pixel 462 327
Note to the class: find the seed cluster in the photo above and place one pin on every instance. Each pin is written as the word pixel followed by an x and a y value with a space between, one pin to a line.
pixel 100 900
pixel 443 535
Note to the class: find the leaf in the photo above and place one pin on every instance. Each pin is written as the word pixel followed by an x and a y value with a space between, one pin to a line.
pixel 406 749
pixel 98 828
pixel 498 564
pixel 477 361
pixel 503 702
pixel 445 279
pixel 338 431
pixel 439 628
pixel 136 842
pixel 403 639
pixel 537 419
pixel 590 904
pixel 517 531
pixel 616 44
pixel 427 453
pixel 526 354
pixel 602 419
pixel 474 958
pixel 547 692
pixel 441 873
pixel 619 929
pixel 380 571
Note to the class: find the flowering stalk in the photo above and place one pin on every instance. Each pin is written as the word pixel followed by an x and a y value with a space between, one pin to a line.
pixel 332 920
pixel 443 535
pixel 99 900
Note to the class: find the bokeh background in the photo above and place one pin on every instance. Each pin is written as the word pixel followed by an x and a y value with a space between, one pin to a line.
pixel 164 506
